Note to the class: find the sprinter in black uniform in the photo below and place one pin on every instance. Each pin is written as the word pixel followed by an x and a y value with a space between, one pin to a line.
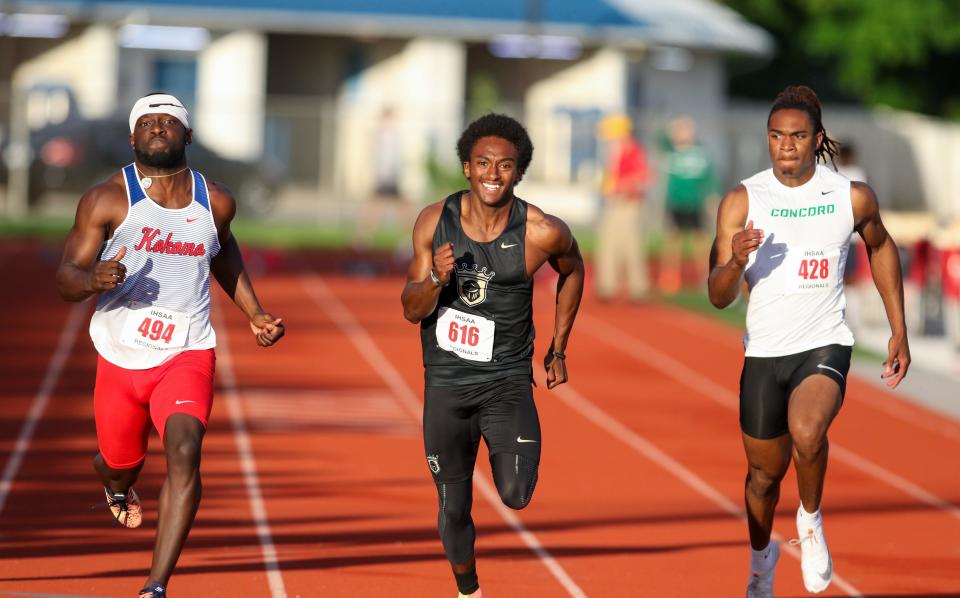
pixel 470 286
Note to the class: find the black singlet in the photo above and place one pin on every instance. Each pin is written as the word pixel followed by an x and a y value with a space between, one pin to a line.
pixel 489 285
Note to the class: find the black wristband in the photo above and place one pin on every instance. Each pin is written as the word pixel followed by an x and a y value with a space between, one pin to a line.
pixel 557 354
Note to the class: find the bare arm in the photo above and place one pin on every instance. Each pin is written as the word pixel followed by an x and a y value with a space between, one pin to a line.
pixel 731 248
pixel 231 273
pixel 552 236
pixel 885 267
pixel 81 274
pixel 421 293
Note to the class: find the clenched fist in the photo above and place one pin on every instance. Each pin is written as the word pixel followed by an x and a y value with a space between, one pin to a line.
pixel 746 242
pixel 443 262
pixel 109 274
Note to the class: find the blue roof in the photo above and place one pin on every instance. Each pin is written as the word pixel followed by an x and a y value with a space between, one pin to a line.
pixel 574 12
pixel 583 12
pixel 693 23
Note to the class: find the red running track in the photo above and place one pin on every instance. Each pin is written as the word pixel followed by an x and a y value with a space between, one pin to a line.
pixel 316 485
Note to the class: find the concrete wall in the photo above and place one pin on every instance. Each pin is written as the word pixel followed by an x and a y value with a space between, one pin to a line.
pixel 231 94
pixel 599 82
pixel 935 154
pixel 423 84
pixel 87 64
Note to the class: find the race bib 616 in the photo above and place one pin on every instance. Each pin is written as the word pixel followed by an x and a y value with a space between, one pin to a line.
pixel 467 335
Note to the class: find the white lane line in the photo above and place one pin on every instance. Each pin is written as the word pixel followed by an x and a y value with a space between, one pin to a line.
pixel 616 429
pixel 703 386
pixel 324 297
pixel 39 595
pixel 248 463
pixel 67 338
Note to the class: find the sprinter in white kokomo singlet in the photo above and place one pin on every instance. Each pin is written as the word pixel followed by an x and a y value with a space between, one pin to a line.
pixel 146 241
pixel 163 306
pixel 785 232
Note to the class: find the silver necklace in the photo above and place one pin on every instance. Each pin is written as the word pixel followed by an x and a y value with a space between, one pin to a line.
pixel 147 181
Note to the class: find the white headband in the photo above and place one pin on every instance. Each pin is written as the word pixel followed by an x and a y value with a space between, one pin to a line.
pixel 159 103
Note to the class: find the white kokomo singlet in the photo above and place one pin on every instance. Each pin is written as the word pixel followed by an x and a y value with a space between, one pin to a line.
pixel 796 276
pixel 163 306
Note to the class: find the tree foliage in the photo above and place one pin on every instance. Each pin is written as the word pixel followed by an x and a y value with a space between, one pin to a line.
pixel 901 53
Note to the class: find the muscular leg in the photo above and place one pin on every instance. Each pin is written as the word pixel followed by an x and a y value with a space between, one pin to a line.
pixel 768 461
pixel 813 405
pixel 180 495
pixel 457 532
pixel 454 521
pixel 515 477
pixel 511 427
pixel 451 438
pixel 117 480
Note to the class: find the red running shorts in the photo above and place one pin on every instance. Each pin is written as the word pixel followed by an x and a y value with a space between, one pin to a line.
pixel 125 401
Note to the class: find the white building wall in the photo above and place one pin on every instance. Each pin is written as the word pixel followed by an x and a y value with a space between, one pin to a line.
pixel 598 82
pixel 423 83
pixel 231 92
pixel 935 147
pixel 86 64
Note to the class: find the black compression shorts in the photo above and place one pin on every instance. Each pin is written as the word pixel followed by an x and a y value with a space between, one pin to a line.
pixel 455 417
pixel 766 384
pixel 685 221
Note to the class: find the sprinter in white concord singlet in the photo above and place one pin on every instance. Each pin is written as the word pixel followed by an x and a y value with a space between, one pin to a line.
pixel 146 241
pixel 785 232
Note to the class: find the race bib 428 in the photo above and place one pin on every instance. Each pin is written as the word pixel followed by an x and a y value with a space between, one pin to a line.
pixel 811 270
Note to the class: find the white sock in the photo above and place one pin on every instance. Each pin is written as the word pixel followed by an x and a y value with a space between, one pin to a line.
pixel 808 518
pixel 760 559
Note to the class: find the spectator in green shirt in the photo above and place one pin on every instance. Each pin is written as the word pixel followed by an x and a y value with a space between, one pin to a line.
pixel 690 182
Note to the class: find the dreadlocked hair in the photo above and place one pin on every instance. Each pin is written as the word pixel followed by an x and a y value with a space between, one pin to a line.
pixel 801 97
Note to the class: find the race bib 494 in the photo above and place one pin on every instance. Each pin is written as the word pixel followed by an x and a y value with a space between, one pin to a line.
pixel 466 335
pixel 155 328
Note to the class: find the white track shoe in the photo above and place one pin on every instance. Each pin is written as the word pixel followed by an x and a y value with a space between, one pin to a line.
pixel 761 578
pixel 815 562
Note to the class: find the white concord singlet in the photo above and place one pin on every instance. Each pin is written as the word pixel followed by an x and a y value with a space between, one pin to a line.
pixel 163 306
pixel 796 276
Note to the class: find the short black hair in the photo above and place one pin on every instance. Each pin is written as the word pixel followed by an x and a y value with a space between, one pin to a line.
pixel 497 125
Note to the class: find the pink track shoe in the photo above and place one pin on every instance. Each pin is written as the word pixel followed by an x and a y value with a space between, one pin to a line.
pixel 125 507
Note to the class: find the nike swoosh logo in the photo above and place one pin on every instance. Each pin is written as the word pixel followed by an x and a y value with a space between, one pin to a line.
pixel 827 367
pixel 505 246
pixel 192 219
pixel 522 439
pixel 182 402
pixel 826 192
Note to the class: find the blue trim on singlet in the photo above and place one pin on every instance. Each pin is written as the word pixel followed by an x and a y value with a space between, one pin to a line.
pixel 134 190
pixel 200 190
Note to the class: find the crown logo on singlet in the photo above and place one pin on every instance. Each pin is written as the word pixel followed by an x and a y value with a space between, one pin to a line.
pixel 168 246
pixel 472 283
